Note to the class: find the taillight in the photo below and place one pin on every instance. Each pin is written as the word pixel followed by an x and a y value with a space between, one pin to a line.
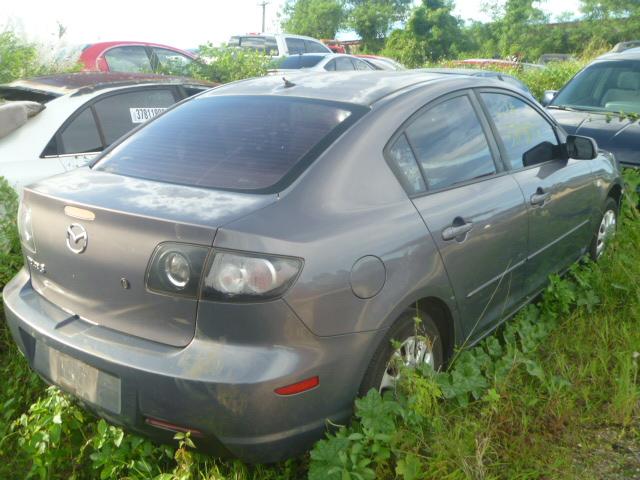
pixel 25 227
pixel 183 269
pixel 176 268
pixel 243 276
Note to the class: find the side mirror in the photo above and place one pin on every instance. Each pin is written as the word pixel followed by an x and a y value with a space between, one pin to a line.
pixel 548 96
pixel 581 148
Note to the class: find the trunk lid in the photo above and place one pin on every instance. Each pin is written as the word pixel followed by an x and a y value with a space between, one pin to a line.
pixel 132 216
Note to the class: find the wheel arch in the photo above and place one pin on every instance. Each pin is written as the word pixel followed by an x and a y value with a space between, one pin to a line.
pixel 615 192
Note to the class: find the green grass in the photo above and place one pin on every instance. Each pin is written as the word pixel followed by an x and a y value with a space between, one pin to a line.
pixel 552 395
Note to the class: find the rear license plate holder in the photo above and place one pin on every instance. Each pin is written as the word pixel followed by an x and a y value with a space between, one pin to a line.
pixel 79 378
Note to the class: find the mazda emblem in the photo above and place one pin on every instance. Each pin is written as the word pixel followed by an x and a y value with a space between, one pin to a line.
pixel 77 238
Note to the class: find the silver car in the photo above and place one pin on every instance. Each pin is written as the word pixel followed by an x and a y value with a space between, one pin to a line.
pixel 73 117
pixel 239 267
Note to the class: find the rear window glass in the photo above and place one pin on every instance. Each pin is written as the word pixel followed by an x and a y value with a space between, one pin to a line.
pixel 231 142
pixel 301 61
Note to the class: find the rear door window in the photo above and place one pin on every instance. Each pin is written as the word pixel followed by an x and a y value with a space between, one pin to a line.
pixel 128 59
pixel 361 65
pixel 344 64
pixel 232 142
pixel 404 164
pixel 121 112
pixel 170 62
pixel 450 144
pixel 80 136
pixel 295 45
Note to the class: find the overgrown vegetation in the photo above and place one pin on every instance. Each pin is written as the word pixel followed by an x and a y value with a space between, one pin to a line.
pixel 563 373
pixel 553 394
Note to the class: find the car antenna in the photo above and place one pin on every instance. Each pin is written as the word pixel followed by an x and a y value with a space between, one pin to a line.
pixel 287 83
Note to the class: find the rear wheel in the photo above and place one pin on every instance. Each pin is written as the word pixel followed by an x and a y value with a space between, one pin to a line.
pixel 408 342
pixel 606 229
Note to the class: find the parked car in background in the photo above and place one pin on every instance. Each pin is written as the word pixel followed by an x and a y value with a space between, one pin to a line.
pixel 555 57
pixel 622 46
pixel 278 44
pixel 246 264
pixel 135 57
pixel 79 115
pixel 511 80
pixel 494 62
pixel 603 101
pixel 382 63
pixel 322 62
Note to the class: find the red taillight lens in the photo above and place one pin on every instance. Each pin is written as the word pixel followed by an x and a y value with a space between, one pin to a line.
pixel 299 387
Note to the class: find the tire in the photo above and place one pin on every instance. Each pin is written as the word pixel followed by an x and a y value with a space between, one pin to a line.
pixel 606 229
pixel 402 331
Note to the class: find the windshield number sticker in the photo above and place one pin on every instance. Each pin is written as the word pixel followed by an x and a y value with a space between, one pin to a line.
pixel 142 114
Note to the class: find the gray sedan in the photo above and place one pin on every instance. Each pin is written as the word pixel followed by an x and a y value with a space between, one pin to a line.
pixel 239 267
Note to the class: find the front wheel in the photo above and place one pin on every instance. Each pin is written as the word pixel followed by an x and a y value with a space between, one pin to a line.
pixel 605 231
pixel 409 342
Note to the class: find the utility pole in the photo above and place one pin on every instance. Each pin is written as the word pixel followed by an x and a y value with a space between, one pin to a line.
pixel 263 4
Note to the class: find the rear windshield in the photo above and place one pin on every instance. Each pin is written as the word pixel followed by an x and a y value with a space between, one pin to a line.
pixel 301 61
pixel 268 45
pixel 255 143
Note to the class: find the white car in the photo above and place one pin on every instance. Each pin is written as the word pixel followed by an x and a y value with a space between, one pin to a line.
pixel 53 124
pixel 322 62
pixel 278 45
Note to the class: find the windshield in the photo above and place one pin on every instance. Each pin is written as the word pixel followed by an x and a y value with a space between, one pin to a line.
pixel 604 86
pixel 231 142
pixel 300 61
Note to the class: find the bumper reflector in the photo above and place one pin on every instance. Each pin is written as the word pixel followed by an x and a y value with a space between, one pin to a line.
pixel 299 387
pixel 154 422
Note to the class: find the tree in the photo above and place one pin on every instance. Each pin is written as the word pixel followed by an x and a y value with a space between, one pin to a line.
pixel 432 33
pixel 606 9
pixel 373 19
pixel 314 18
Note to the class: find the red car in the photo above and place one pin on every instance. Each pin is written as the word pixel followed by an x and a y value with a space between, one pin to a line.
pixel 134 57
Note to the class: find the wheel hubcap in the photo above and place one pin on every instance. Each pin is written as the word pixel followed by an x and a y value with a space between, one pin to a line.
pixel 606 230
pixel 414 351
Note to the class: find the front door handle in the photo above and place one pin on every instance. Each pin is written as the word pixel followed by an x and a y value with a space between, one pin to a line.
pixel 457 229
pixel 540 197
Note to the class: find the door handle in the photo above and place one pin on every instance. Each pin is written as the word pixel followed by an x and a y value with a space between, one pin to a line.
pixel 457 229
pixel 540 197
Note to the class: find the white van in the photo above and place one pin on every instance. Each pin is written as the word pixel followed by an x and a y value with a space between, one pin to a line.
pixel 278 44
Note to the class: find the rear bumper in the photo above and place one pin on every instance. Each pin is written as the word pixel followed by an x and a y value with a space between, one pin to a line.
pixel 218 386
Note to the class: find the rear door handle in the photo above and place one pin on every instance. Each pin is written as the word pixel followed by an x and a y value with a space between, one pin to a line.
pixel 456 230
pixel 540 197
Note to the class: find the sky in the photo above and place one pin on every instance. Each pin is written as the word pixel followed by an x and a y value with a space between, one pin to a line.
pixel 181 25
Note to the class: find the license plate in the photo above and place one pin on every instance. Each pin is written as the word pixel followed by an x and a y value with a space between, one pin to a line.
pixel 78 378
pixel 142 114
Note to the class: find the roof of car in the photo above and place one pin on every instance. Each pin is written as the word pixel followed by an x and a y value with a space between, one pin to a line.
pixel 463 71
pixel 359 87
pixel 630 54
pixel 85 82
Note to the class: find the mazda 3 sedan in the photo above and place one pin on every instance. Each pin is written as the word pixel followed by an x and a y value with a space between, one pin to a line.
pixel 239 267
